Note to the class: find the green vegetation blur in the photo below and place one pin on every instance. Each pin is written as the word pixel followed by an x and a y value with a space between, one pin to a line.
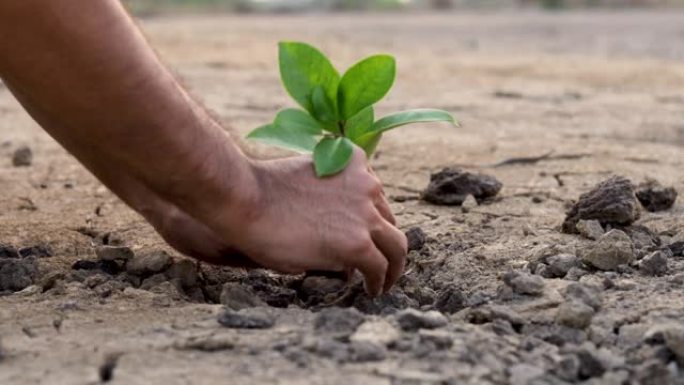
pixel 155 6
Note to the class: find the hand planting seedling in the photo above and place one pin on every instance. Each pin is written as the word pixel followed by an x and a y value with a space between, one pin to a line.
pixel 338 111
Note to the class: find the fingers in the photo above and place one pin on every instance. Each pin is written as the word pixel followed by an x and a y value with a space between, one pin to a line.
pixel 373 265
pixel 394 246
pixel 384 209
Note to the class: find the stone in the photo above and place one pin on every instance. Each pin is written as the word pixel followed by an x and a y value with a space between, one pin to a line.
pixel 654 264
pixel 237 297
pixel 114 253
pixel 612 202
pixel 388 303
pixel 451 300
pixel 17 274
pixel 655 197
pixel 469 203
pixel 366 351
pixel 377 331
pixel 587 294
pixel 412 319
pixel 575 273
pixel 22 157
pixel 152 281
pixel 316 287
pixel 451 187
pixel 560 264
pixel 590 229
pixel 149 263
pixel 524 283
pixel 574 314
pixel 416 238
pixel 337 321
pixel 440 339
pixel 256 318
pixel 613 249
pixel 185 271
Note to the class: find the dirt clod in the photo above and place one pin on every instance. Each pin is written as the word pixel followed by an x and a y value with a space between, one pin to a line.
pixel 611 202
pixel 451 187
pixel 114 253
pixel 17 274
pixel 524 283
pixel 451 300
pixel 8 251
pixel 22 157
pixel 416 238
pixel 412 319
pixel 613 249
pixel 655 197
pixel 149 263
pixel 237 297
pixel 255 318
pixel 587 294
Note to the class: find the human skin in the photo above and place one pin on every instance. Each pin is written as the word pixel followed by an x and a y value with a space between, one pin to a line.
pixel 86 74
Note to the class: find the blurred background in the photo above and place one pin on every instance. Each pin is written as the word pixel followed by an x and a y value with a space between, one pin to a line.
pixel 278 6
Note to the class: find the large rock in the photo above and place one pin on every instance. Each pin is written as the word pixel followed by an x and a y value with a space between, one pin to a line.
pixel 613 249
pixel 611 202
pixel 451 187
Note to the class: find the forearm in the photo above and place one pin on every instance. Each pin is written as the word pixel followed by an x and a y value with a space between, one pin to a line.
pixel 87 75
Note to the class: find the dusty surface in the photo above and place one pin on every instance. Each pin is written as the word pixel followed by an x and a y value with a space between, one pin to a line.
pixel 601 93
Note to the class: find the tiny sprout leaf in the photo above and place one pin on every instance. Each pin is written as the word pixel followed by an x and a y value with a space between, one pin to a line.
pixel 302 68
pixel 359 124
pixel 365 83
pixel 412 116
pixel 369 142
pixel 332 155
pixel 324 110
pixel 287 137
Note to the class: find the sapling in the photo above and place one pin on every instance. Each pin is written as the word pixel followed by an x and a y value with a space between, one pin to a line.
pixel 337 110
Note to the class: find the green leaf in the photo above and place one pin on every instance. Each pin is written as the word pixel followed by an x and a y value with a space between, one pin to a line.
pixel 288 137
pixel 365 83
pixel 369 142
pixel 332 155
pixel 412 116
pixel 324 110
pixel 359 124
pixel 302 68
pixel 298 120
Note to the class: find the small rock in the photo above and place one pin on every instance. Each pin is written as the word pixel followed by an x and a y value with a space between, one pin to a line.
pixel 451 187
pixel 315 288
pixel 611 202
pixel 568 367
pixel 469 203
pixel 674 340
pixel 654 264
pixel 150 263
pixel 587 294
pixel 655 197
pixel 524 283
pixel 340 322
pixel 8 251
pixel 152 281
pixel 574 314
pixel 451 300
pixel 560 264
pixel 590 229
pixel 377 331
pixel 237 297
pixel 328 348
pixel 575 273
pixel 255 318
pixel 440 339
pixel 388 303
pixel 22 157
pixel 207 343
pixel 613 249
pixel 114 253
pixel 17 274
pixel 38 251
pixel 185 271
pixel 366 351
pixel 412 319
pixel 416 238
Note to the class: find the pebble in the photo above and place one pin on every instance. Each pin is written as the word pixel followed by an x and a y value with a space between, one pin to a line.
pixel 451 187
pixel 340 322
pixel 451 300
pixel 560 265
pixel 22 157
pixel 114 253
pixel 237 297
pixel 575 273
pixel 469 203
pixel 575 314
pixel 388 303
pixel 654 264
pixel 587 294
pixel 150 263
pixel 590 229
pixel 378 331
pixel 256 318
pixel 316 287
pixel 611 202
pixel 524 283
pixel 416 238
pixel 655 197
pixel 412 319
pixel 613 249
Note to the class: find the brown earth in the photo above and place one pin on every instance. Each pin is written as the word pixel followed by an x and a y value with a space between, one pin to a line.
pixel 592 95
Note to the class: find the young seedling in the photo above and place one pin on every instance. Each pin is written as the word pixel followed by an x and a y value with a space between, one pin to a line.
pixel 337 111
